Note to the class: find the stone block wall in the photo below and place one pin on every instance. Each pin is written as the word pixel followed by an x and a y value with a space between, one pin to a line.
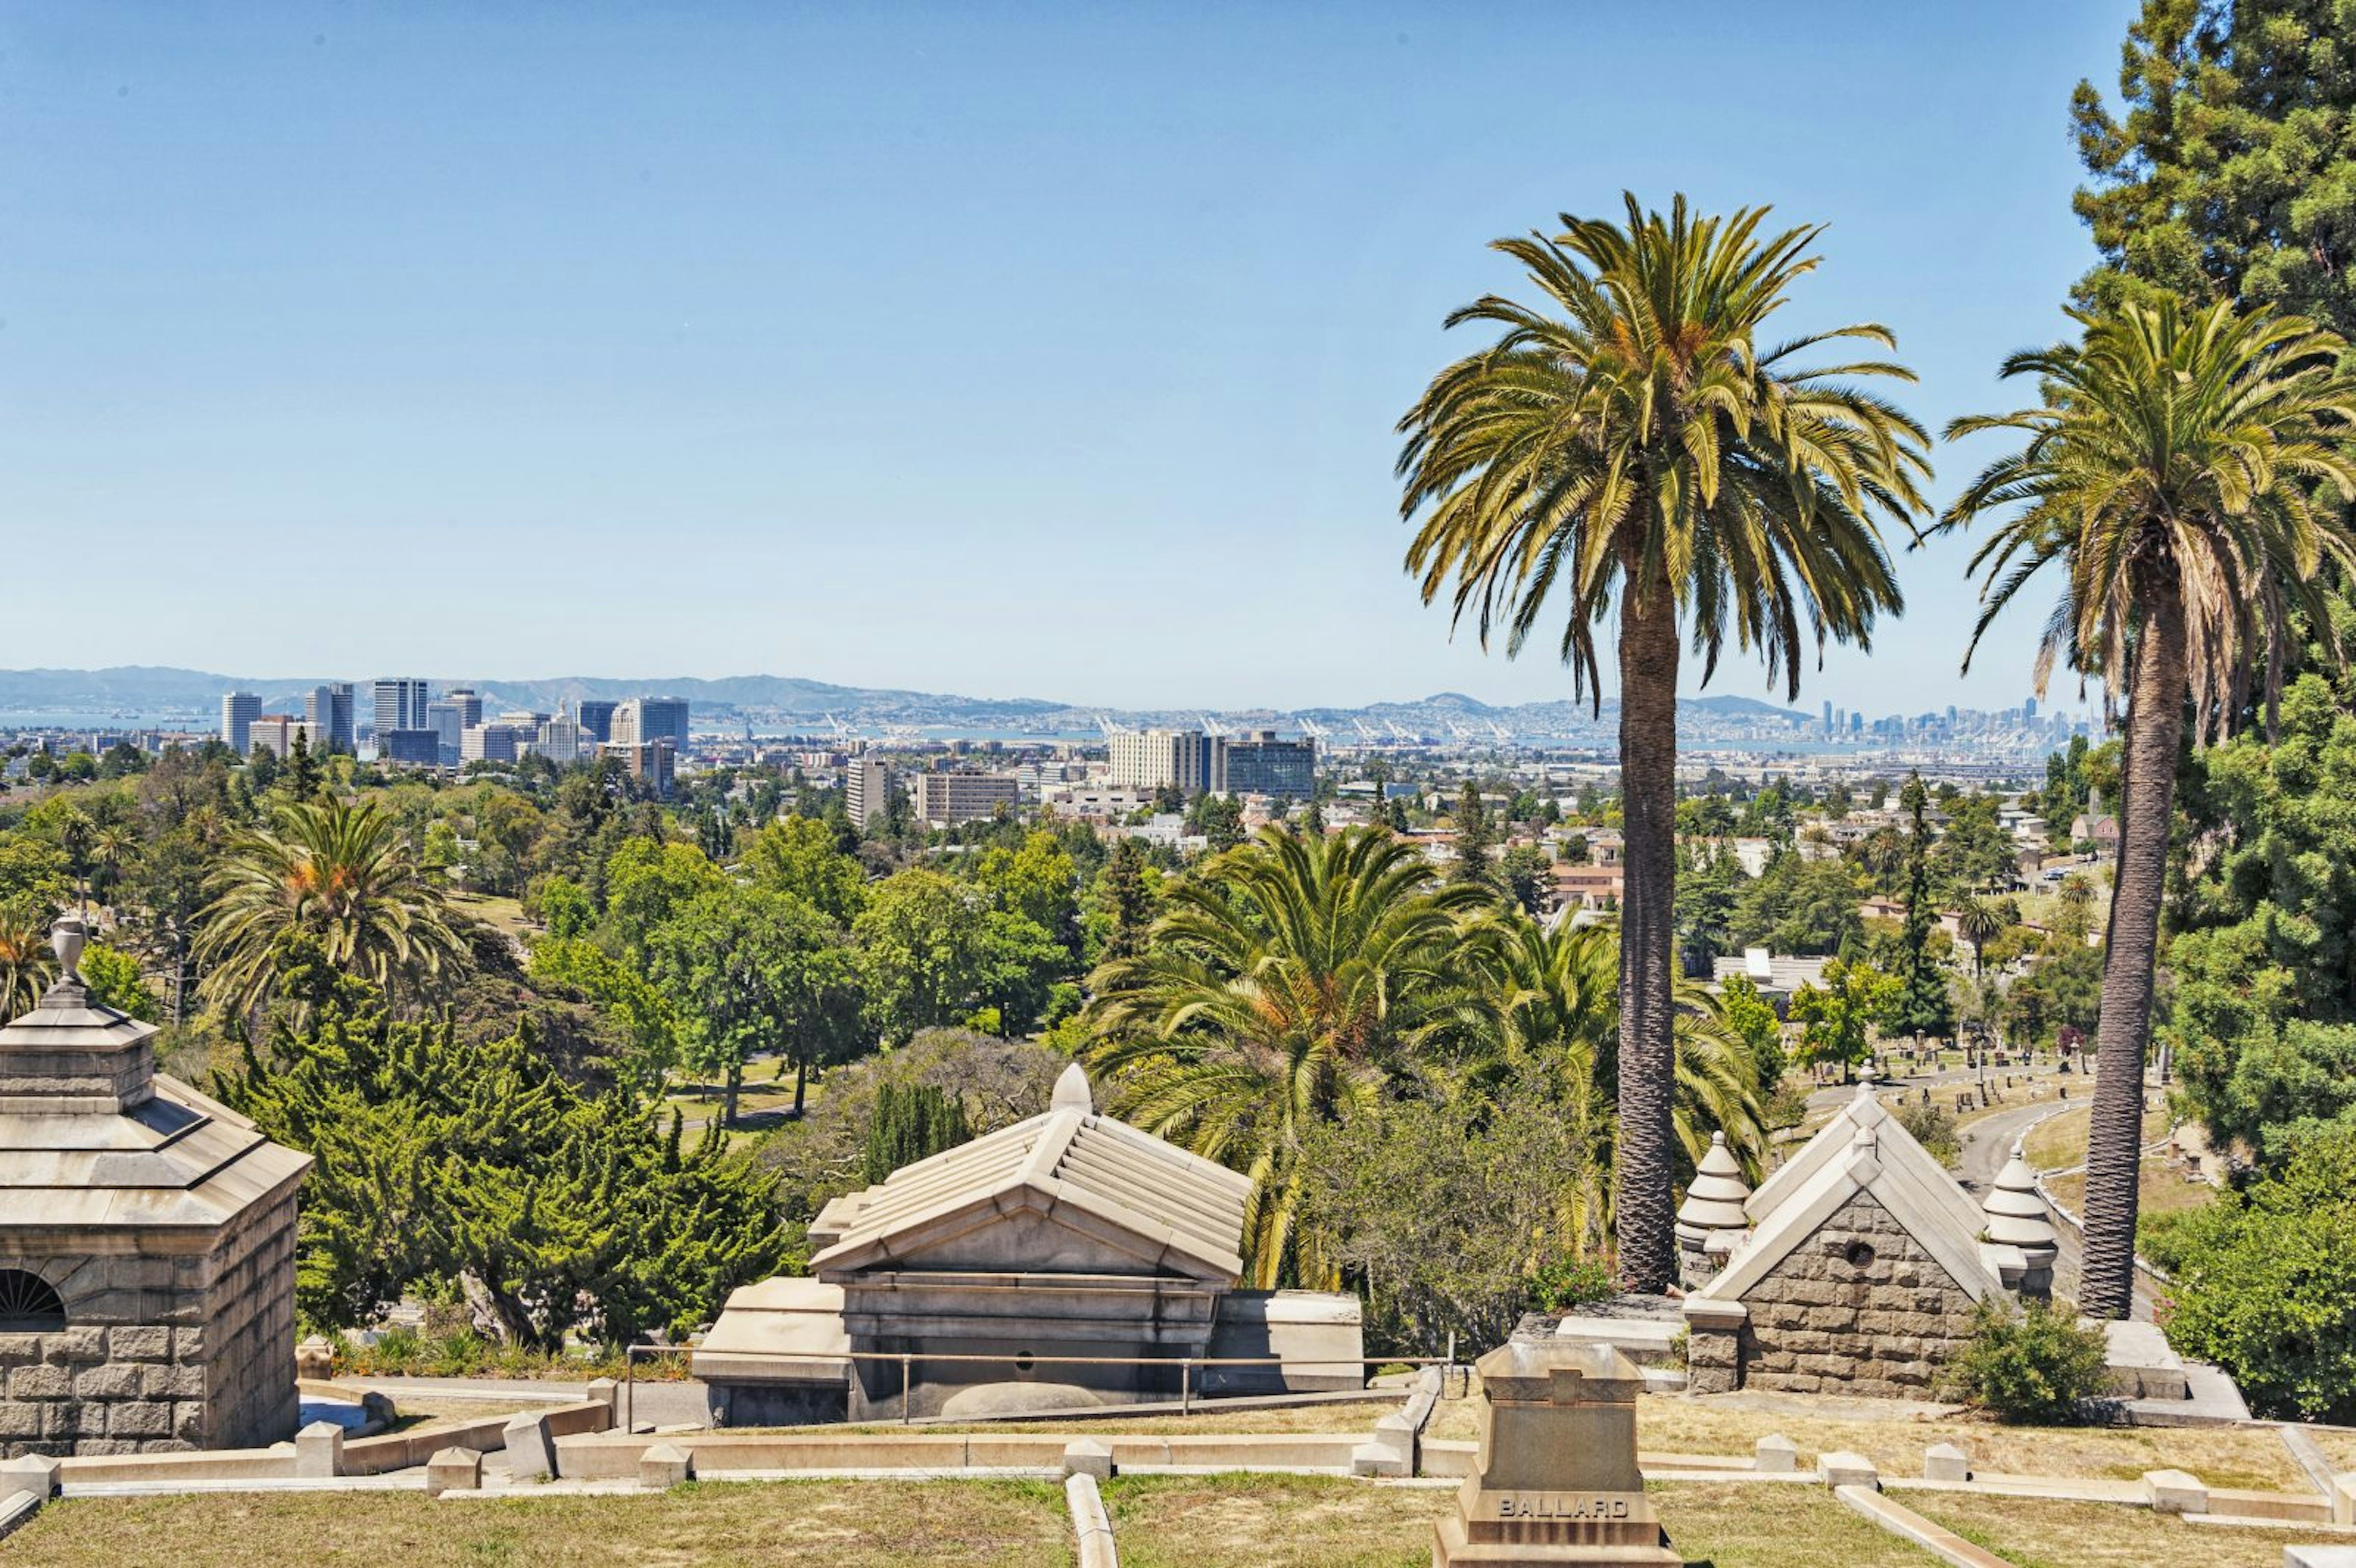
pixel 1859 1308
pixel 100 1389
pixel 249 1331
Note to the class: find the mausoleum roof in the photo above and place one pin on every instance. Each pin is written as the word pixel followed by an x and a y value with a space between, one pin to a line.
pixel 91 1138
pixel 1173 1211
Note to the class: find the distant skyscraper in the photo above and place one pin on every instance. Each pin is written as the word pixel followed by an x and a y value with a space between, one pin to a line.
pixel 562 741
pixel 238 711
pixel 1262 764
pixel 447 722
pixel 866 790
pixel 596 717
pixel 1150 758
pixel 491 743
pixel 409 747
pixel 468 704
pixel 328 717
pixel 2028 711
pixel 1828 715
pixel 401 703
pixel 644 719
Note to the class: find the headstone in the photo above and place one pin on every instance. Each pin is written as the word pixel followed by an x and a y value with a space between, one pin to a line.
pixel 454 1470
pixel 1555 1478
pixel 1946 1462
pixel 1775 1456
pixel 664 1466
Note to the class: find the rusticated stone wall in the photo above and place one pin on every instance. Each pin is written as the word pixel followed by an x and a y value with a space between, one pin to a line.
pixel 1858 1309
pixel 160 1352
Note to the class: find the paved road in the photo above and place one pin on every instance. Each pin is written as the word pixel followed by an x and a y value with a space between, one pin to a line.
pixel 1987 1144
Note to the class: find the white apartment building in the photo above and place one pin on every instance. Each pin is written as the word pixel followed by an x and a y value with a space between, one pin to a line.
pixel 866 790
pixel 1153 759
pixel 943 800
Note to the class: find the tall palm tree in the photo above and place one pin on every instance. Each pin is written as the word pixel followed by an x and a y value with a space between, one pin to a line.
pixel 1981 922
pixel 1283 986
pixel 1631 441
pixel 26 962
pixel 338 874
pixel 2172 474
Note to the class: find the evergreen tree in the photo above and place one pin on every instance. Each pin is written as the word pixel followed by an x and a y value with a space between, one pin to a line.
pixel 301 768
pixel 1922 1006
pixel 1473 838
pixel 1127 901
pixel 913 1122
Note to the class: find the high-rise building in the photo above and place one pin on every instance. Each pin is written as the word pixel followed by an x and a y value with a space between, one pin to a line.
pixel 491 743
pixel 409 747
pixel 275 733
pixel 1262 764
pixel 448 722
pixel 2028 711
pixel 946 799
pixel 648 762
pixel 1828 715
pixel 238 711
pixel 1152 759
pixel 866 790
pixel 401 702
pixel 596 717
pixel 560 740
pixel 328 717
pixel 469 704
pixel 644 719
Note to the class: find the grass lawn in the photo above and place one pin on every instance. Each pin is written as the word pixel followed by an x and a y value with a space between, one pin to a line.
pixel 2165 1189
pixel 1676 1424
pixel 1259 1521
pixel 2060 1142
pixel 838 1524
pixel 506 914
pixel 2035 1533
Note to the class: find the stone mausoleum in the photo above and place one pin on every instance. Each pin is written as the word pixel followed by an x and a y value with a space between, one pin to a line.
pixel 1854 1268
pixel 1078 1261
pixel 147 1244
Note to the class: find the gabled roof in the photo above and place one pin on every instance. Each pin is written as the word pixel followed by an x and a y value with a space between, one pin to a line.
pixel 1137 1194
pixel 1862 1150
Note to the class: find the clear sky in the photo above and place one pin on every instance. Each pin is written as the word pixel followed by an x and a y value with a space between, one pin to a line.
pixel 1011 350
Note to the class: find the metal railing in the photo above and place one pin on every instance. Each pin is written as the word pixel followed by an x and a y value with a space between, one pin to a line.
pixel 908 1361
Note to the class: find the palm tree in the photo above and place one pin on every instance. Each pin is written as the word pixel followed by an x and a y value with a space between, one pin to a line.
pixel 337 874
pixel 1981 923
pixel 26 962
pixel 1630 440
pixel 1551 997
pixel 1284 985
pixel 2171 474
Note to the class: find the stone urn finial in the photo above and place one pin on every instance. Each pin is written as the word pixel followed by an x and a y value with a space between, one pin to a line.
pixel 2017 1218
pixel 1712 1212
pixel 67 939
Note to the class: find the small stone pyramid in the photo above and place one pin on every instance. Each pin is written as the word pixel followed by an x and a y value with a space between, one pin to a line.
pixel 1713 1208
pixel 2017 1219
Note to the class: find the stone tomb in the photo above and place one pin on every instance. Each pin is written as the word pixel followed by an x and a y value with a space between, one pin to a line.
pixel 1555 1480
pixel 1068 1260
pixel 146 1245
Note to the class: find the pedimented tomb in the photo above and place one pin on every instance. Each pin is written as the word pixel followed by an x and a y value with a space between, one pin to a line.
pixel 1066 1261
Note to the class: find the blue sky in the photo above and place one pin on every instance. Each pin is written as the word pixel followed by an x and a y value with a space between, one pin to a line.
pixel 1045 350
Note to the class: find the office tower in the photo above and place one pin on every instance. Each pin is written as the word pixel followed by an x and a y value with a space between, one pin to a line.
pixel 328 717
pixel 866 790
pixel 275 733
pixel 469 704
pixel 1828 715
pixel 944 800
pixel 2028 711
pixel 644 719
pixel 409 747
pixel 596 718
pixel 489 744
pixel 560 740
pixel 238 711
pixel 648 762
pixel 400 705
pixel 447 722
pixel 1262 764
pixel 1150 758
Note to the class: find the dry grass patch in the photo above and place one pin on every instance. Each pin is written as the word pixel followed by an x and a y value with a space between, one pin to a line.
pixel 2338 1446
pixel 1732 1424
pixel 2165 1189
pixel 2059 1142
pixel 821 1524
pixel 2035 1533
pixel 1281 1521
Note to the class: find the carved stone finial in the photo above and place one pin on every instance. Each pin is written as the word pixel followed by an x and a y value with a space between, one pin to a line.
pixel 67 939
pixel 1073 1092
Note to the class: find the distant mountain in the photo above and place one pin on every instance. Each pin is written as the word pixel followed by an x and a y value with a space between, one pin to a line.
pixel 150 693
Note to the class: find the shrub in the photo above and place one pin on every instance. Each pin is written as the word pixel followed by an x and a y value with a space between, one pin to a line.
pixel 1566 1283
pixel 2039 1368
pixel 1933 1127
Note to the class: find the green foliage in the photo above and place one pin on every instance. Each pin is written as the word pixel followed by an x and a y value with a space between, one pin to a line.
pixel 1568 1283
pixel 1474 838
pixel 648 881
pixel 932 951
pixel 114 981
pixel 2038 1368
pixel 1836 1018
pixel 1920 1005
pixel 1933 1125
pixel 912 1121
pixel 1524 874
pixel 648 1026
pixel 1753 1021
pixel 2266 1282
pixel 564 908
pixel 2063 991
pixel 1799 906
pixel 442 1161
pixel 798 855
pixel 2231 171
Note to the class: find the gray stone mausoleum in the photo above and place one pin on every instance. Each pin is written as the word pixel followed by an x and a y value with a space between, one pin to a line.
pixel 1076 1260
pixel 146 1245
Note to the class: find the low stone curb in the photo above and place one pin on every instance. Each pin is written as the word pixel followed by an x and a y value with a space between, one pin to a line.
pixel 1906 1524
pixel 15 1508
pixel 1091 1526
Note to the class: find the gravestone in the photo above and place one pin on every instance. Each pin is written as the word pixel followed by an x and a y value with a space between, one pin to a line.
pixel 1555 1480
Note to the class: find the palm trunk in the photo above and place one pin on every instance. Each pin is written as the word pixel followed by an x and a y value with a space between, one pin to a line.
pixel 2154 731
pixel 1644 1206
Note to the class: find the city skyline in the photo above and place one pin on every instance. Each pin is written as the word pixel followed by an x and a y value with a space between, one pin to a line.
pixel 844 313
